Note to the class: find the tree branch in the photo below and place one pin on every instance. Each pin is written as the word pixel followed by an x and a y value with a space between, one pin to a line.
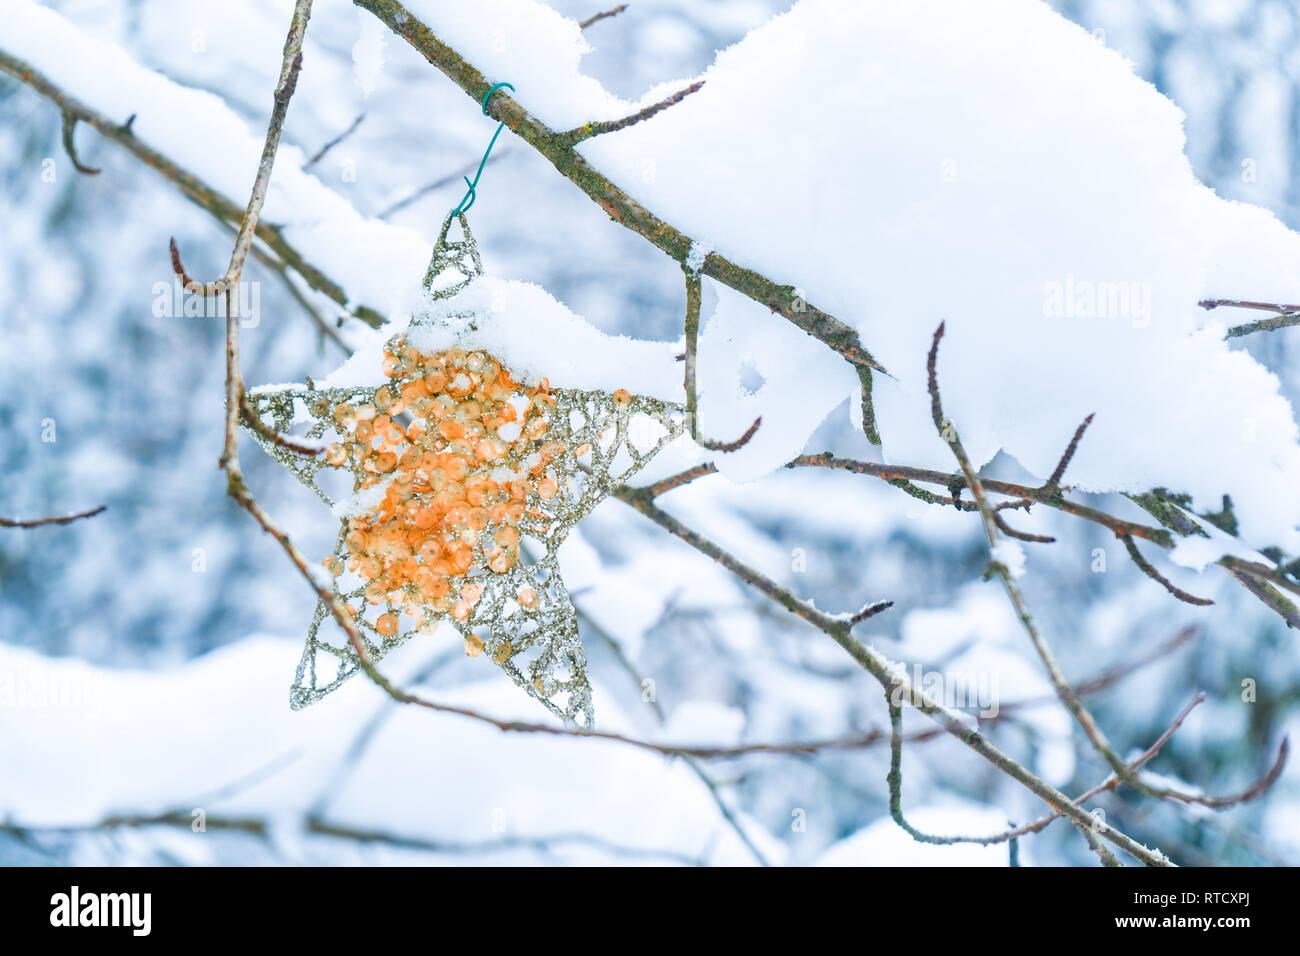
pixel 620 207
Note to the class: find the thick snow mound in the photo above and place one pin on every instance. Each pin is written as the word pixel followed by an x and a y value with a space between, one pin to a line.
pixel 81 743
pixel 532 334
pixel 995 166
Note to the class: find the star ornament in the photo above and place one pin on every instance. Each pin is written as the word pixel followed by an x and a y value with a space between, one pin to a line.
pixel 464 481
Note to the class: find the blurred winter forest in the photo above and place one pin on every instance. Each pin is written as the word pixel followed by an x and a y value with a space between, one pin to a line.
pixel 160 636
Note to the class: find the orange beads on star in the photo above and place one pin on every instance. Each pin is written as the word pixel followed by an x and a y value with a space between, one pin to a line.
pixel 455 477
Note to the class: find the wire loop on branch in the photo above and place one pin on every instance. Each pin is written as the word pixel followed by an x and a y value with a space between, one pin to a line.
pixel 469 197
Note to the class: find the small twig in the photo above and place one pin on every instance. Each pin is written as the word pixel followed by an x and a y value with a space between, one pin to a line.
pixel 678 480
pixel 251 419
pixel 727 814
pixel 1272 598
pixel 1115 674
pixel 320 153
pixel 868 408
pixel 729 446
pixel 597 17
pixel 281 269
pixel 894 780
pixel 929 497
pixel 616 648
pixel 1053 483
pixel 59 519
pixel 1245 796
pixel 246 781
pixel 573 137
pixel 1263 325
pixel 1288 315
pixel 693 295
pixel 456 177
pixel 1011 532
pixel 1248 304
pixel 1149 570
pixel 890 473
pixel 869 610
pixel 192 286
pixel 70 145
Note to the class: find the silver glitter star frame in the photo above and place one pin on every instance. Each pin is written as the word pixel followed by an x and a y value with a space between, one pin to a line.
pixel 523 618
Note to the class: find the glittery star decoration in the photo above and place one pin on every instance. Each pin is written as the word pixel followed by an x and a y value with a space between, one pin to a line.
pixel 463 484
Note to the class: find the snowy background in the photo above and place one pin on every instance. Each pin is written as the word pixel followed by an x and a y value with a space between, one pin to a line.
pixel 145 654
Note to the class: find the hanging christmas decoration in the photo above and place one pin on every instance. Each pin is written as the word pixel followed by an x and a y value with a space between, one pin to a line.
pixel 465 480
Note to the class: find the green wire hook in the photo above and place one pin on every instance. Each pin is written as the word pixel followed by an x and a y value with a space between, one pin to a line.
pixel 469 197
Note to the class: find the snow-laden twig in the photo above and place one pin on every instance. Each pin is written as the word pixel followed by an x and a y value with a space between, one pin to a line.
pixel 585 132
